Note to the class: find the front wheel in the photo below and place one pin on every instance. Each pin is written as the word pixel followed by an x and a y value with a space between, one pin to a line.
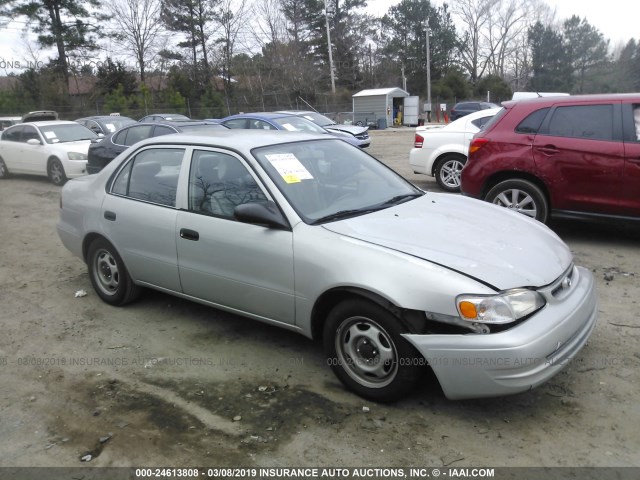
pixel 55 172
pixel 447 172
pixel 521 196
pixel 108 274
pixel 366 351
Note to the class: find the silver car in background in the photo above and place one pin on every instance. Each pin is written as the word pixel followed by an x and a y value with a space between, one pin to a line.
pixel 316 236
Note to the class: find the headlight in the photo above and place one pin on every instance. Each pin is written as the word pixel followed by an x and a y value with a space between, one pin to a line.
pixel 77 156
pixel 505 307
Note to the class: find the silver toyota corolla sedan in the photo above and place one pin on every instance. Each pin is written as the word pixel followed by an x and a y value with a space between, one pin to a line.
pixel 312 234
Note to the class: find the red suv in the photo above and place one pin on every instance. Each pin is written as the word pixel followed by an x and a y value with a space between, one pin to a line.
pixel 561 156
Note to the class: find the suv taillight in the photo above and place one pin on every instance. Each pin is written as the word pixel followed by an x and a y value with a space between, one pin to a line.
pixel 418 141
pixel 477 144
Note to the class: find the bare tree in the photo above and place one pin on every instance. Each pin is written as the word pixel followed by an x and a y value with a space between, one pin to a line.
pixel 475 16
pixel 231 16
pixel 140 28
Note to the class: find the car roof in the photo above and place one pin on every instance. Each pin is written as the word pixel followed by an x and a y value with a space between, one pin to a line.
pixel 260 115
pixel 237 139
pixel 48 123
pixel 607 97
pixel 103 117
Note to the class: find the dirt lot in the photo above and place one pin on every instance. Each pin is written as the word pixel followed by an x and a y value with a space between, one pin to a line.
pixel 172 383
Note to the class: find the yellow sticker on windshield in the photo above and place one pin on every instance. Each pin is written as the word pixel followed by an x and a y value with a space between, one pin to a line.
pixel 289 167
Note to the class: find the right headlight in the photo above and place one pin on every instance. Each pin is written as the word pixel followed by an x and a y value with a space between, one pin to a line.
pixel 505 307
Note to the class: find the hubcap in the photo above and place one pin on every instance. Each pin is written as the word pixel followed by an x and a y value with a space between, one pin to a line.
pixel 366 352
pixel 450 173
pixel 518 200
pixel 106 272
pixel 56 172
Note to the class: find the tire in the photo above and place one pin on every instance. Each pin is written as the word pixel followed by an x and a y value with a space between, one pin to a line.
pixel 108 274
pixel 366 352
pixel 55 172
pixel 447 172
pixel 4 171
pixel 521 196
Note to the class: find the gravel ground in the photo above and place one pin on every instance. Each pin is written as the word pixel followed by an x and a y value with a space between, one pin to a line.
pixel 165 382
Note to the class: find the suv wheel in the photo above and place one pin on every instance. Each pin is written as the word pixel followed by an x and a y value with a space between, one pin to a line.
pixel 521 196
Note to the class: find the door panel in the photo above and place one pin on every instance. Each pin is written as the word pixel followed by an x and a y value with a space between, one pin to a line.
pixel 237 265
pixel 580 159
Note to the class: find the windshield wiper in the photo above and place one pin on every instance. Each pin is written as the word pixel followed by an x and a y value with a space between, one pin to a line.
pixel 346 214
pixel 398 199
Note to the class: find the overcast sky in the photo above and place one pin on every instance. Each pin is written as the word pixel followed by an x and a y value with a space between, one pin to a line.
pixel 617 20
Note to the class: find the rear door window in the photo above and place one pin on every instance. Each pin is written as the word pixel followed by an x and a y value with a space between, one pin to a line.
pixel 592 122
pixel 12 134
pixel 151 176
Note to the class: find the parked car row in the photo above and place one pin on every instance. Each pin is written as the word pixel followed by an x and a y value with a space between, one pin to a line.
pixel 112 134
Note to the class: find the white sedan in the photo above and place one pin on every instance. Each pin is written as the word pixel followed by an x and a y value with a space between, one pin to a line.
pixel 442 152
pixel 56 149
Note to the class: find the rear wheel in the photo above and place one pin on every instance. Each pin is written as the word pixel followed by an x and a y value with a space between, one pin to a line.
pixel 366 351
pixel 4 171
pixel 521 196
pixel 447 172
pixel 109 275
pixel 55 172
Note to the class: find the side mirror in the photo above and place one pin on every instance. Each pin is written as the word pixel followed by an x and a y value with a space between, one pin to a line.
pixel 261 213
pixel 34 141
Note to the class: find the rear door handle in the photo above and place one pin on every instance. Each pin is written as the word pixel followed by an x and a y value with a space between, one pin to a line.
pixel 110 215
pixel 189 234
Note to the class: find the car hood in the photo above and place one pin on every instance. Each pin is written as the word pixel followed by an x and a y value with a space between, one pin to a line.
pixel 489 243
pixel 352 129
pixel 77 146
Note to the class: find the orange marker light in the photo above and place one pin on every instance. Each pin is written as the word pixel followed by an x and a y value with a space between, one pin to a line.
pixel 468 309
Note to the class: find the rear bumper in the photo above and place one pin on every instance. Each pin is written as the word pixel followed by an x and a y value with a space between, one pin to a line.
pixel 473 366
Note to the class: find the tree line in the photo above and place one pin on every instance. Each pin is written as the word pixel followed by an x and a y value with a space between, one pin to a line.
pixel 220 56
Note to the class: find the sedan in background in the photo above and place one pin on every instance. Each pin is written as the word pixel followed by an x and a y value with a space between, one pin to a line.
pixel 101 152
pixel 309 233
pixel 8 121
pixel 360 133
pixel 56 149
pixel 461 109
pixel 442 151
pixel 282 121
pixel 105 124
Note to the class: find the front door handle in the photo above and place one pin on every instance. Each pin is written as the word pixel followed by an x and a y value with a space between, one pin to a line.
pixel 110 215
pixel 548 150
pixel 189 234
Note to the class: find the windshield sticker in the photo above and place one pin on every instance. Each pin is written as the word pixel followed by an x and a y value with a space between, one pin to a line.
pixel 289 167
pixel 289 127
pixel 111 127
pixel 50 135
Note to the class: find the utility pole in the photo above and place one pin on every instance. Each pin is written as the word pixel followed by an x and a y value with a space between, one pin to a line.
pixel 326 16
pixel 426 33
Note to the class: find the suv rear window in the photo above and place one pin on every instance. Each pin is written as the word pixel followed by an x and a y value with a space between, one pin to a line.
pixel 531 124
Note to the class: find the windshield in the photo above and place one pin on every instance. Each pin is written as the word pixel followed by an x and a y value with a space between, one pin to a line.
pixel 318 119
pixel 66 133
pixel 298 124
pixel 326 180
